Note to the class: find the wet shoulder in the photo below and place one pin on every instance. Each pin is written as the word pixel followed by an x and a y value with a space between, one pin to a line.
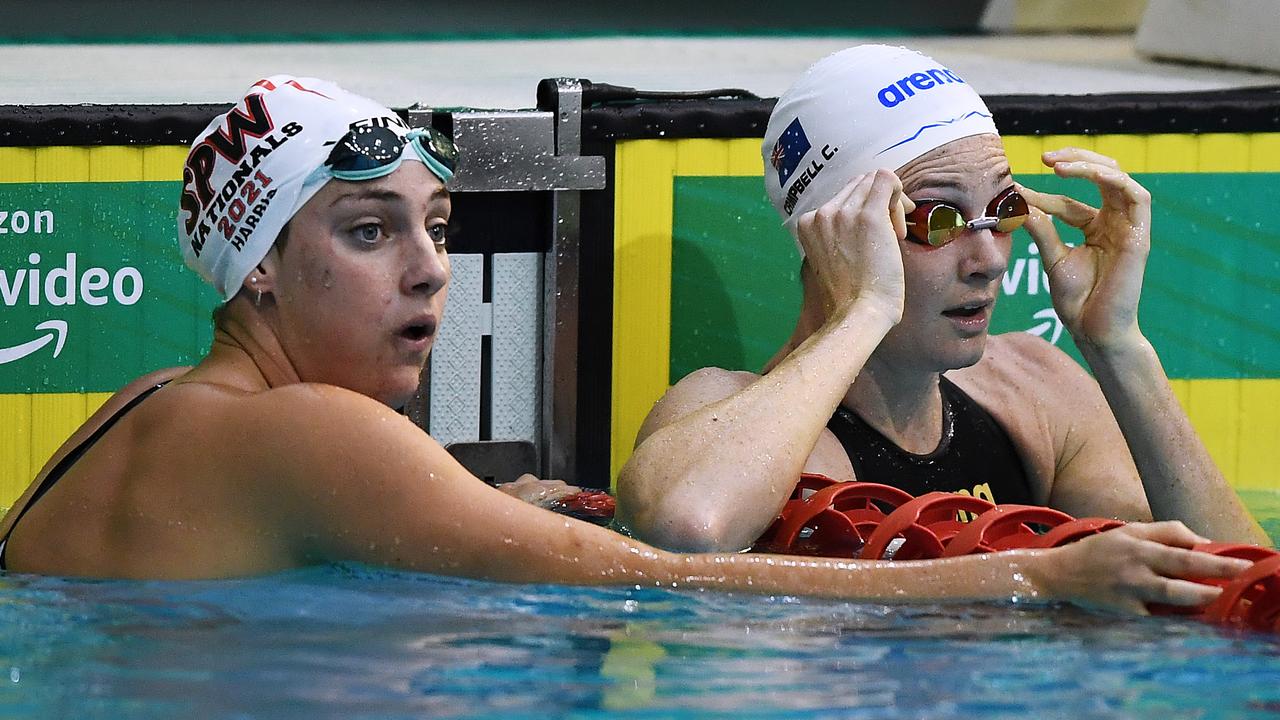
pixel 317 409
pixel 1021 365
pixel 1028 386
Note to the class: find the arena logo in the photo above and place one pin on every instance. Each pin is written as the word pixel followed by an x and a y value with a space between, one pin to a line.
pixel 61 286
pixel 893 94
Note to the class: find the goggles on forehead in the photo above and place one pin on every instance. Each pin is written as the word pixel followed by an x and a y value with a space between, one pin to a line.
pixel 366 153
pixel 938 222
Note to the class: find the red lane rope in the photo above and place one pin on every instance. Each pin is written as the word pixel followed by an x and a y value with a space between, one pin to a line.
pixel 872 521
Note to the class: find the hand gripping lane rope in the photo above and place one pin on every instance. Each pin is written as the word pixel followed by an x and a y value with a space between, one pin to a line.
pixel 874 522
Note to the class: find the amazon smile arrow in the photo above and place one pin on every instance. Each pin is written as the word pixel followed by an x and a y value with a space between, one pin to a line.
pixel 56 328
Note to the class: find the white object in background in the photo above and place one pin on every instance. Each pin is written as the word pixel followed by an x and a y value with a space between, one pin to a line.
pixel 1225 32
pixel 1059 16
pixel 455 358
pixel 513 322
pixel 515 379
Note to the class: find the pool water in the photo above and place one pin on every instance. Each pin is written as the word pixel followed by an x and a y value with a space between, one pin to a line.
pixel 349 641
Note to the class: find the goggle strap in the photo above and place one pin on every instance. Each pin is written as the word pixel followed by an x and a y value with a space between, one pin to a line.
pixel 434 165
pixel 369 174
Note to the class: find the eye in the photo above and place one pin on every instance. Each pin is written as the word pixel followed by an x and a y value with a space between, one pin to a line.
pixel 368 233
pixel 438 233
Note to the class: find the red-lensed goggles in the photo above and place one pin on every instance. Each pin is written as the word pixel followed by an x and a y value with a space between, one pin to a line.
pixel 938 222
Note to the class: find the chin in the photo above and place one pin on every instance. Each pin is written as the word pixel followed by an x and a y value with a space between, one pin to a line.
pixel 968 354
pixel 955 353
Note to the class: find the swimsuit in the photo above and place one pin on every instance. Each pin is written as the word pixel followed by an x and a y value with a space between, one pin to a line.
pixel 975 456
pixel 65 464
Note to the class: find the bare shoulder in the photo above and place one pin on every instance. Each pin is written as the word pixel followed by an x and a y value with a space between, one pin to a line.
pixel 324 442
pixel 1026 366
pixel 304 431
pixel 324 413
pixel 1038 394
pixel 113 406
pixel 124 396
pixel 694 391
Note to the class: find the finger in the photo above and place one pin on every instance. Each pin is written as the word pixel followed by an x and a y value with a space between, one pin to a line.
pixel 899 207
pixel 836 212
pixel 1072 212
pixel 1174 562
pixel 1165 532
pixel 1069 154
pixel 885 194
pixel 806 221
pixel 1180 592
pixel 856 185
pixel 1042 231
pixel 1115 184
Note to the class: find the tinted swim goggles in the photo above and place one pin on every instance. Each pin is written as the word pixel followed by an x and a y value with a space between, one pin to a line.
pixel 938 222
pixel 371 152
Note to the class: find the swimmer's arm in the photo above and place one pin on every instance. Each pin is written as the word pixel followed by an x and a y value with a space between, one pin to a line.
pixel 1096 474
pixel 1096 288
pixel 1181 479
pixel 719 455
pixel 369 486
pixel 711 474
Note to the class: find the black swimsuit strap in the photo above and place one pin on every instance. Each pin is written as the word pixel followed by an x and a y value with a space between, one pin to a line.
pixel 70 459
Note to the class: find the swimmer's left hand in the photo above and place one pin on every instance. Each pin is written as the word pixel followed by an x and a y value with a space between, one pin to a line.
pixel 535 491
pixel 1095 286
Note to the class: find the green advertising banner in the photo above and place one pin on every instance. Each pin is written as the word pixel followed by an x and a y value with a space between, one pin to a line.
pixel 93 291
pixel 1210 297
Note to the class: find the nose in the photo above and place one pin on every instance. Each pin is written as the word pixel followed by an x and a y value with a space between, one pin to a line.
pixel 426 266
pixel 986 255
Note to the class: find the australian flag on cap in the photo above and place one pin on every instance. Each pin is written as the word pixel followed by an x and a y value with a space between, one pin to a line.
pixel 789 151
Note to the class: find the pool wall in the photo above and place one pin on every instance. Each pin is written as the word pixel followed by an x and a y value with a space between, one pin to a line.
pixel 683 262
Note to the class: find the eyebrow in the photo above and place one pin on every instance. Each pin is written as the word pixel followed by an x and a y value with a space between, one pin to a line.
pixel 382 195
pixel 367 194
pixel 955 183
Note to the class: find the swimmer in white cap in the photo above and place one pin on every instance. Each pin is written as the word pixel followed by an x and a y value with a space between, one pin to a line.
pixel 322 218
pixel 887 168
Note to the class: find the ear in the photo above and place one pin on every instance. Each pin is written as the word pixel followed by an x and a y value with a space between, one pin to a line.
pixel 262 279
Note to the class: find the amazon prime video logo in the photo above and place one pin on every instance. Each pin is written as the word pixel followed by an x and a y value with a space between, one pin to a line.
pixel 60 285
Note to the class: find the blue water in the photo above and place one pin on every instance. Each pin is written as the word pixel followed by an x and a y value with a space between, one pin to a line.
pixel 356 642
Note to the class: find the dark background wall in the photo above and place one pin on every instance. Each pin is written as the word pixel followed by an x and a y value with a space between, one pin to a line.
pixel 262 20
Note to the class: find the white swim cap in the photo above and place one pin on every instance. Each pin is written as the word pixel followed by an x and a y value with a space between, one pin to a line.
pixel 252 168
pixel 863 108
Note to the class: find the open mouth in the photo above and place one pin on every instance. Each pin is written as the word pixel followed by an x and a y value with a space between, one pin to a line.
pixel 967 311
pixel 418 331
pixel 963 312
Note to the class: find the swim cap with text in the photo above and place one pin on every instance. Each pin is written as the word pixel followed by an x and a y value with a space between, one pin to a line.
pixel 860 109
pixel 253 167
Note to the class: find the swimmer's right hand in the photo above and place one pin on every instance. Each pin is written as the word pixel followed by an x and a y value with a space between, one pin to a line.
pixel 536 491
pixel 851 243
pixel 1139 563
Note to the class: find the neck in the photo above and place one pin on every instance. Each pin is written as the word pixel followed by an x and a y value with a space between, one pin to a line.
pixel 246 351
pixel 903 403
pixel 900 400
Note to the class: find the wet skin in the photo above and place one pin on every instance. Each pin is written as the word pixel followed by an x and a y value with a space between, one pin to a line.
pixel 359 289
pixel 967 173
